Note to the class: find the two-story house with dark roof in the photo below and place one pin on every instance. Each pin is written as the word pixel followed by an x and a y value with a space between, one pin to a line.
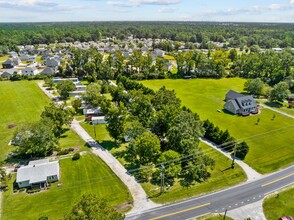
pixel 237 103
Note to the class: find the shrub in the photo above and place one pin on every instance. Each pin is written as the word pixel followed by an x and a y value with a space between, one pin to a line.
pixel 242 150
pixel 65 151
pixel 22 189
pixel 33 190
pixel 43 218
pixel 76 156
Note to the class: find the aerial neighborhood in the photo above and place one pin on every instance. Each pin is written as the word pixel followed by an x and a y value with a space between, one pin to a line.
pixel 146 120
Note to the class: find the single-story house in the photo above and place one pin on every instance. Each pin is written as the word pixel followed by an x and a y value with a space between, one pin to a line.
pixel 58 79
pixel 37 174
pixel 237 103
pixel 8 64
pixel 98 120
pixel 8 73
pixel 93 112
pixel 159 53
pixel 30 71
pixel 52 62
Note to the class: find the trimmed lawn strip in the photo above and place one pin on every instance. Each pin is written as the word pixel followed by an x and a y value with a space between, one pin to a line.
pixel 213 217
pixel 222 176
pixel 270 141
pixel 21 101
pixel 72 139
pixel 283 107
pixel 279 204
pixel 87 175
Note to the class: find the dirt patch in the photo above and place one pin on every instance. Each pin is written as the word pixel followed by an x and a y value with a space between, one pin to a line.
pixel 124 207
pixel 11 126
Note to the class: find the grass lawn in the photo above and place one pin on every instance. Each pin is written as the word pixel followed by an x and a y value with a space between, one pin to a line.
pixel 3 58
pixel 21 101
pixel 72 139
pixel 104 139
pixel 270 141
pixel 283 107
pixel 213 217
pixel 222 176
pixel 84 176
pixel 279 205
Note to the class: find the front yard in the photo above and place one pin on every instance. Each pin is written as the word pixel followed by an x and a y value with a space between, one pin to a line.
pixel 221 176
pixel 84 176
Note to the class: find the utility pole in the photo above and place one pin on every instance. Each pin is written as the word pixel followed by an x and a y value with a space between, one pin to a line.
pixel 94 124
pixel 234 156
pixel 225 214
pixel 162 179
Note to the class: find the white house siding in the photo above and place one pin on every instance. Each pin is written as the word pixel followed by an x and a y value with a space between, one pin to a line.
pixel 24 184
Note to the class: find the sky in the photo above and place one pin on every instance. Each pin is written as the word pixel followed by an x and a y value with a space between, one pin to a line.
pixel 147 10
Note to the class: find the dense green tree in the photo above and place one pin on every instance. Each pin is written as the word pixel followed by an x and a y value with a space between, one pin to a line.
pixel 92 207
pixel 36 139
pixel 116 119
pixel 76 104
pixel 254 86
pixel 133 128
pixel 145 148
pixel 3 177
pixel 59 115
pixel 64 87
pixel 198 168
pixel 173 167
pixel 184 133
pixel 241 150
pixel 280 92
pixel 92 94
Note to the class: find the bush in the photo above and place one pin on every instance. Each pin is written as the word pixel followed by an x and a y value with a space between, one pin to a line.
pixel 22 189
pixel 65 151
pixel 33 190
pixel 76 156
pixel 43 218
pixel 242 150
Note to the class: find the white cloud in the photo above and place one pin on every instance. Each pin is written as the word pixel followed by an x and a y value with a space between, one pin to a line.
pixel 167 9
pixel 137 3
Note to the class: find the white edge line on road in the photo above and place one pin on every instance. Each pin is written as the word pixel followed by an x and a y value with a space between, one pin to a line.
pixel 273 191
pixel 209 194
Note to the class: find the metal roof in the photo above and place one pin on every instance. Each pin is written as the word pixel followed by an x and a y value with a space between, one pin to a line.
pixel 37 171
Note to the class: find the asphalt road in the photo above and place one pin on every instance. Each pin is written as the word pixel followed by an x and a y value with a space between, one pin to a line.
pixel 218 202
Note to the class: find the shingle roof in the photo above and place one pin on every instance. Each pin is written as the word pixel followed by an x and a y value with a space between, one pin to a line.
pixel 246 102
pixel 233 95
pixel 235 104
pixel 37 171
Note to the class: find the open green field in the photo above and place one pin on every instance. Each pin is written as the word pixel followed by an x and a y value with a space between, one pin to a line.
pixel 84 176
pixel 271 141
pixel 278 205
pixel 283 107
pixel 222 176
pixel 21 101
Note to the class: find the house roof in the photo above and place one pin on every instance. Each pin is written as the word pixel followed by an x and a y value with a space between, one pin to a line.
pixel 37 171
pixel 246 102
pixel 235 104
pixel 8 61
pixel 232 95
pixel 47 70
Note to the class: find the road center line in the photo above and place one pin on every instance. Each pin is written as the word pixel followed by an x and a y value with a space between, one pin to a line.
pixel 277 180
pixel 178 212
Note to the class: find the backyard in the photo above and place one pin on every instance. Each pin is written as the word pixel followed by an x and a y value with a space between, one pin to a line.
pixel 84 176
pixel 270 140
